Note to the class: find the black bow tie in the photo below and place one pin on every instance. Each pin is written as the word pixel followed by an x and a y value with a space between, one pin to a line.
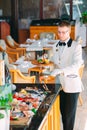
pixel 62 43
pixel 69 43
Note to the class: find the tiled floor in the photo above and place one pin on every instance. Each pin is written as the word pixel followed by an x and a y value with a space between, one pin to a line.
pixel 81 114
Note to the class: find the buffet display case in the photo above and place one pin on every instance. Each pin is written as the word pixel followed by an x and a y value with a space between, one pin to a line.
pixel 5 106
pixel 39 107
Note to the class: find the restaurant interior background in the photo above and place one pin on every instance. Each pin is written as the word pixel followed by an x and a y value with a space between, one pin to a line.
pixel 20 13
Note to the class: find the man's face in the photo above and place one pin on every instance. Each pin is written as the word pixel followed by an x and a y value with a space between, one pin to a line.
pixel 64 33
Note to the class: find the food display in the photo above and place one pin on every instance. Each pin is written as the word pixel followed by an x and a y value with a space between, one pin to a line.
pixel 31 104
pixel 26 102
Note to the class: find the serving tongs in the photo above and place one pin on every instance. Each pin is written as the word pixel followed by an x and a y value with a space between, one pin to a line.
pixel 45 87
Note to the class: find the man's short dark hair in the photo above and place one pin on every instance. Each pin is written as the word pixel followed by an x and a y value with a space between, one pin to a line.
pixel 63 23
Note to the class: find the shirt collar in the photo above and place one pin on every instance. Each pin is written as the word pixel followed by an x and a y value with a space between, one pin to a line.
pixel 66 40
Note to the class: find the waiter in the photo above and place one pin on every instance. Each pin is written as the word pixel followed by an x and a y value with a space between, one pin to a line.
pixel 68 59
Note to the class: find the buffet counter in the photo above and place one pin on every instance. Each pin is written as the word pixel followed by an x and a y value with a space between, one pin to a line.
pixel 47 115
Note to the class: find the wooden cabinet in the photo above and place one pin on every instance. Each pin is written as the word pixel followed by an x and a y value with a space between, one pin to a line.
pixel 36 30
pixel 52 119
pixel 4 30
pixel 56 114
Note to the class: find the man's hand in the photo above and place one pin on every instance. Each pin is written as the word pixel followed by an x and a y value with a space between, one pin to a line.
pixel 56 72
